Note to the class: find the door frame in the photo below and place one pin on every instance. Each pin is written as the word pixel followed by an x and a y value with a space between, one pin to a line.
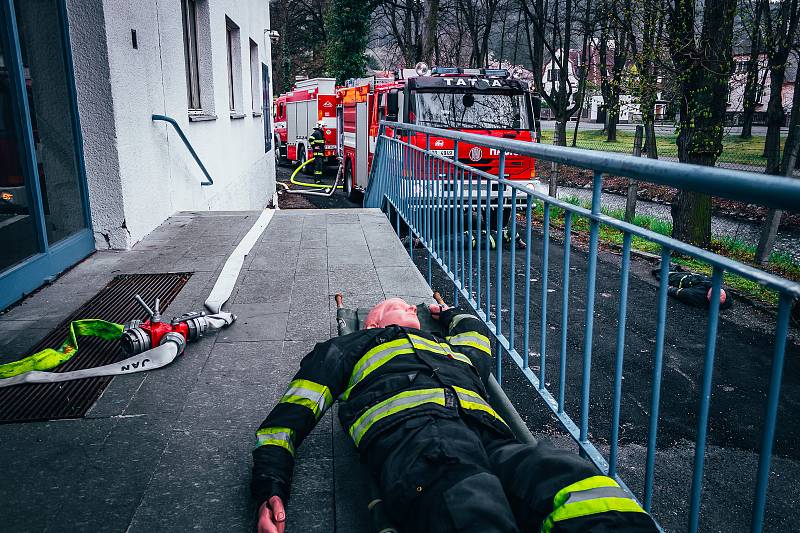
pixel 51 259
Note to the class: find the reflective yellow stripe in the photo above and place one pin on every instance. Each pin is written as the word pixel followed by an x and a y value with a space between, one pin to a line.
pixel 458 318
pixel 472 339
pixel 397 403
pixel 383 353
pixel 308 394
pixel 374 358
pixel 475 402
pixel 437 347
pixel 594 495
pixel 593 482
pixel 276 436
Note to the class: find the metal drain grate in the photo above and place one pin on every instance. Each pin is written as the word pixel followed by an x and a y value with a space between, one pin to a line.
pixel 71 399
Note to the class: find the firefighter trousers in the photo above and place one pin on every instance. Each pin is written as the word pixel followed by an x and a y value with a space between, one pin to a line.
pixel 319 166
pixel 447 475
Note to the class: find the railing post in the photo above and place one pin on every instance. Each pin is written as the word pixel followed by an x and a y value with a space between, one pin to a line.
pixel 658 362
pixel 594 234
pixel 427 189
pixel 771 412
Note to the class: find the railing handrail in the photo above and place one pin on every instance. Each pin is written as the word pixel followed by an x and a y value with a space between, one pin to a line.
pixel 188 145
pixel 434 196
pixel 750 187
pixel 765 278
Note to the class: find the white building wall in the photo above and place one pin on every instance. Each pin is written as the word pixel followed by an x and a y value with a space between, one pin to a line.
pixel 157 174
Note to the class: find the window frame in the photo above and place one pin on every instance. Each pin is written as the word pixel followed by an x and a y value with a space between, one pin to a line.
pixel 191 56
pixel 255 78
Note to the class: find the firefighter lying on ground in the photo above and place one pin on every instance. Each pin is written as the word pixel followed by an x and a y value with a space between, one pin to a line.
pixel 317 141
pixel 415 405
pixel 692 288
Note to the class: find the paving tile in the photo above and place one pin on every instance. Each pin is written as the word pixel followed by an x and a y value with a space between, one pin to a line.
pixel 309 322
pixel 256 322
pixel 402 280
pixel 349 255
pixel 393 256
pixel 117 396
pixel 258 361
pixel 311 507
pixel 53 451
pixel 312 260
pixel 270 287
pixel 204 263
pixel 342 218
pixel 17 337
pixel 280 256
pixel 164 391
pixel 221 402
pixel 97 500
pixel 354 279
pixel 294 351
pixel 201 483
pixel 351 486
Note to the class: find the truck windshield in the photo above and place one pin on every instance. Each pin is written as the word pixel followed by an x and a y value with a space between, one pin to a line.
pixel 472 110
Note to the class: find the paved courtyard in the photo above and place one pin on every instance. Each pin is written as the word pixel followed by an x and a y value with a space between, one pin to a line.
pixel 169 450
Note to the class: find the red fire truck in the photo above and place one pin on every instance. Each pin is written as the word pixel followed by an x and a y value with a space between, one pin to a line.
pixel 296 114
pixel 482 101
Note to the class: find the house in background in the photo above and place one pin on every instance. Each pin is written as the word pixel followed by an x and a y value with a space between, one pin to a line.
pixel 736 87
pixel 83 165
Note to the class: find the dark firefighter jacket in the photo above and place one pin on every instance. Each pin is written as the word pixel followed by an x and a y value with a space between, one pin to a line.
pixel 691 288
pixel 381 377
pixel 385 376
pixel 317 141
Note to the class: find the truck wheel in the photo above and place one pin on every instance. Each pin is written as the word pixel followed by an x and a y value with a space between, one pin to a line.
pixel 348 180
pixel 301 159
pixel 277 148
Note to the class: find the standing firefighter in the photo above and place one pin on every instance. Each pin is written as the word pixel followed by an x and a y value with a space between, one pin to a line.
pixel 317 140
pixel 415 405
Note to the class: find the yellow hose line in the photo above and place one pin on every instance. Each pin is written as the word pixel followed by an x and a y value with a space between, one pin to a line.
pixel 307 184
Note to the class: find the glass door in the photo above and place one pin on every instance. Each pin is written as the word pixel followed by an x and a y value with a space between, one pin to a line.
pixel 44 216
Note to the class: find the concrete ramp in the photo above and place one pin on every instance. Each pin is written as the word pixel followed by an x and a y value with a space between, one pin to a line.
pixel 169 450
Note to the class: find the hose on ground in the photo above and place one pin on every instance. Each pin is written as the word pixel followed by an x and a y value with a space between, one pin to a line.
pixel 305 183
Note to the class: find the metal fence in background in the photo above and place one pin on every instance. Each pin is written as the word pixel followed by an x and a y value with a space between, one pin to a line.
pixel 737 154
pixel 436 196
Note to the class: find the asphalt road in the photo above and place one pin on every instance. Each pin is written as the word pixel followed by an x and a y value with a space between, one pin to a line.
pixel 741 372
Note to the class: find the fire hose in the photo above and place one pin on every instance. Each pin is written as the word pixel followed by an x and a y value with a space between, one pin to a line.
pixel 319 189
pixel 150 344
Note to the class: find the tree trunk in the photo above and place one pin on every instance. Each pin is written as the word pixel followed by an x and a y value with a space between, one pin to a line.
pixel 705 63
pixel 431 30
pixel 752 85
pixel 633 185
pixel 775 118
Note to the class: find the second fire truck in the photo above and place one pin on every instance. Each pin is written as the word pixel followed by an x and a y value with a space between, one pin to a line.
pixel 297 112
pixel 482 101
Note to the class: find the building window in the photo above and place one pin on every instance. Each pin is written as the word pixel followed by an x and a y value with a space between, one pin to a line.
pixel 234 57
pixel 553 74
pixel 741 66
pixel 189 9
pixel 255 77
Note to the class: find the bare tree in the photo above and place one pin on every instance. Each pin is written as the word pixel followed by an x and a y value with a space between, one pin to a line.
pixel 644 21
pixel 614 43
pixel 752 86
pixel 553 28
pixel 780 27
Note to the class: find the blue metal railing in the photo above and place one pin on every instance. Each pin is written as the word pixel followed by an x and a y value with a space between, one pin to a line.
pixel 434 196
pixel 188 145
